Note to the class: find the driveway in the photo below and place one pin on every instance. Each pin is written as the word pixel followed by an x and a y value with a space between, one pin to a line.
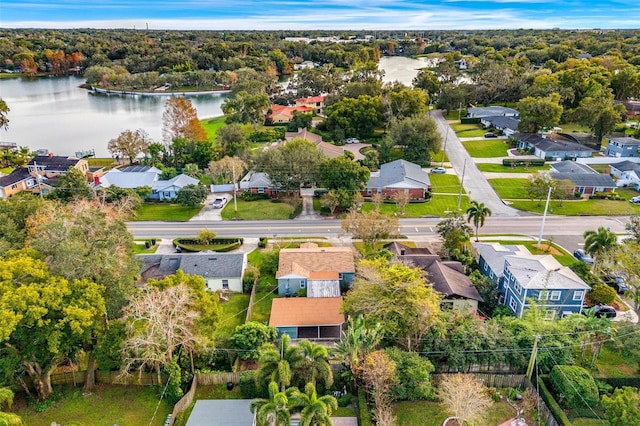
pixel 208 212
pixel 475 183
pixel 307 212
pixel 355 149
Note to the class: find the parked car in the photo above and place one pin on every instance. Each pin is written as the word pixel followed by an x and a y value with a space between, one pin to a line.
pixel 439 170
pixel 352 140
pixel 617 282
pixel 605 311
pixel 490 135
pixel 635 200
pixel 581 255
pixel 219 202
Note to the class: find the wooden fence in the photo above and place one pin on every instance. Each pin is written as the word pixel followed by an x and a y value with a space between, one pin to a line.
pixel 185 401
pixel 545 413
pixel 491 380
pixel 207 379
pixel 76 378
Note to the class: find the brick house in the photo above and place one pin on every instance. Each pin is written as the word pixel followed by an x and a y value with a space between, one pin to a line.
pixel 398 176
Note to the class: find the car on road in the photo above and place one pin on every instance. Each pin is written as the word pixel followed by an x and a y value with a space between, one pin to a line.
pixel 490 135
pixel 438 170
pixel 219 202
pixel 601 311
pixel 584 257
pixel 617 282
pixel 635 200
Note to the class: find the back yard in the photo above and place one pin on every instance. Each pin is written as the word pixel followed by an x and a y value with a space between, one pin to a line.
pixel 486 148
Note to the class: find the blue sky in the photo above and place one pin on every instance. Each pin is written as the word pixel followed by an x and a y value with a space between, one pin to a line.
pixel 320 14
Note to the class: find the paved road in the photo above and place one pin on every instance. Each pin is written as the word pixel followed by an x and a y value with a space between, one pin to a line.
pixel 475 183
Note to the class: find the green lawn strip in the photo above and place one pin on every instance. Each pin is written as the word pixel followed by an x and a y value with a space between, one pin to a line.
pixel 438 206
pixel 574 128
pixel 627 193
pixel 140 247
pixel 438 157
pixel 212 125
pixel 359 245
pixel 444 183
pixel 6 170
pixel 489 148
pixel 579 207
pixel 583 421
pixel 611 363
pixel 430 413
pixel 101 162
pixel 258 210
pixel 262 306
pixel 564 259
pixel 468 130
pixel 499 168
pixel 165 212
pixel 601 168
pixel 344 412
pixel 234 312
pixel 510 188
pixel 106 406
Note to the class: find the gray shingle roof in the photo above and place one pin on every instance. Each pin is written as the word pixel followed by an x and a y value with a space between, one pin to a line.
pixel 399 173
pixel 502 122
pixel 207 265
pixel 18 175
pixel 551 143
pixel 54 162
pixel 491 111
pixel 495 253
pixel 569 166
pixel 626 141
pixel 627 166
pixel 543 272
pixel 587 179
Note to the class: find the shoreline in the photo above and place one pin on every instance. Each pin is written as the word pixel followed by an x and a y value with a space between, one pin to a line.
pixel 97 90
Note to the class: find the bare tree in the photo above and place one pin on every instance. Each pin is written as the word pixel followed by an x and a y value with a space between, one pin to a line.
pixel 379 375
pixel 159 322
pixel 370 226
pixel 227 168
pixel 401 198
pixel 377 199
pixel 129 144
pixel 464 397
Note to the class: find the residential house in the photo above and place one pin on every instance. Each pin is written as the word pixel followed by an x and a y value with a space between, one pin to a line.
pixel 281 114
pixel 258 183
pixel 492 111
pixel 627 172
pixel 632 109
pixel 446 277
pixel 321 271
pixel 586 180
pixel 552 146
pixel 133 177
pixel 308 317
pixel 398 176
pixel 491 258
pixel 623 147
pixel 508 125
pixel 48 166
pixel 17 181
pixel 461 64
pixel 554 288
pixel 316 103
pixel 328 150
pixel 221 271
pixel 304 65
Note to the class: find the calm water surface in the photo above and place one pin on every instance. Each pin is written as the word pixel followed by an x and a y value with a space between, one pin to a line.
pixel 56 114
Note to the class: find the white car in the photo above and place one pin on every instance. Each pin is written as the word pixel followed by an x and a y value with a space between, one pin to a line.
pixel 635 200
pixel 219 202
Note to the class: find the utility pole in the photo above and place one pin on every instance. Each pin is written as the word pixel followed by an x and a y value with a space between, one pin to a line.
pixel 446 137
pixel 464 168
pixel 235 202
pixel 544 215
pixel 532 360
pixel 459 111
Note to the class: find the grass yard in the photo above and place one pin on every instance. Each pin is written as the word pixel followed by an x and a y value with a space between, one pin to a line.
pixel 262 306
pixel 627 193
pixel 438 206
pixel 164 212
pixel 574 128
pixel 445 184
pixel 499 168
pixel 454 114
pixel 490 148
pixel 580 207
pixel 258 210
pixel 108 405
pixel 438 157
pixel 101 162
pixel 211 126
pixel 611 363
pixel 468 130
pixel 140 248
pixel 234 312
pixel 429 413
pixel 511 188
pixel 601 168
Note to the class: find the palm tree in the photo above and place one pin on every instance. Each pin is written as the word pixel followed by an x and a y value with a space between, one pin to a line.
pixel 279 364
pixel 477 213
pixel 599 242
pixel 273 411
pixel 313 410
pixel 316 363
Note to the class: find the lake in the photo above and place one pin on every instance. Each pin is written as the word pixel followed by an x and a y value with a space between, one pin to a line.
pixel 56 114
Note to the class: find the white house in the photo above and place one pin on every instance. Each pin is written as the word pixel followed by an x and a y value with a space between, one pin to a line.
pixel 627 172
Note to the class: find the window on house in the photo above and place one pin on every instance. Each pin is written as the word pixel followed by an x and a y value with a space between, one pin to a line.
pixel 340 277
pixel 513 304
pixel 543 295
pixel 303 284
pixel 578 295
pixel 225 284
pixel 260 190
pixel 549 314
pixel 555 295
pixel 491 275
pixel 369 191
pixel 516 287
pixel 166 194
pixel 14 186
pixel 486 266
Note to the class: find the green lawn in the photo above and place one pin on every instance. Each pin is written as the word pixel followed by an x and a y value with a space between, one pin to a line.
pixel 468 130
pixel 499 168
pixel 140 248
pixel 106 406
pixel 258 210
pixel 510 188
pixel 489 148
pixel 211 126
pixel 165 212
pixel 438 157
pixel 574 127
pixel 262 306
pixel 437 206
pixel 101 162
pixel 234 312
pixel 444 183
pixel 6 170
pixel 580 207
pixel 611 363
pixel 429 413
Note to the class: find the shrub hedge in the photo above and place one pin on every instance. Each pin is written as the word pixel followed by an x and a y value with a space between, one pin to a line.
pixel 220 245
pixel 511 162
pixel 575 384
pixel 364 415
pixel 553 405
pixel 248 387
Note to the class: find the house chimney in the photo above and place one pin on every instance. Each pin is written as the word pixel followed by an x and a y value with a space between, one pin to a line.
pixel 96 180
pixel 50 154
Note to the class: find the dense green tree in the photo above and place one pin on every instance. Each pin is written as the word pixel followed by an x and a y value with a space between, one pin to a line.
pixel 623 406
pixel 355 117
pixel 249 337
pixel 356 342
pixel 300 120
pixel 600 113
pixel 280 364
pixel 633 227
pixel 272 411
pixel 418 135
pixel 477 213
pixel 8 419
pixel 341 173
pixel 15 212
pixel 72 185
pixel 232 140
pixel 596 243
pixel 400 102
pixel 4 109
pixel 314 410
pixel 245 107
pixel 315 365
pixel 539 113
pixel 428 81
pixel 456 96
pixel 129 144
pixel 192 195
pixel 455 233
pixel 413 376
